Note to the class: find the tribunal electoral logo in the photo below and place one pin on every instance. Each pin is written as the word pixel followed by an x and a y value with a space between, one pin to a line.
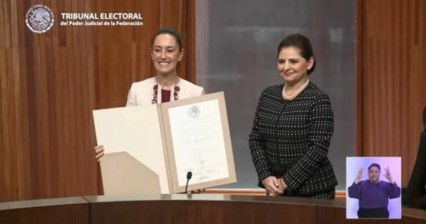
pixel 39 18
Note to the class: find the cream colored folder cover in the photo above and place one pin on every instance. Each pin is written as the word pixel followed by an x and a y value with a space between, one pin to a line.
pixel 172 139
pixel 135 130
pixel 122 174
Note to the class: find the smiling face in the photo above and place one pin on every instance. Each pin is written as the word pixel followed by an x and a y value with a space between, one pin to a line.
pixel 374 174
pixel 292 67
pixel 166 54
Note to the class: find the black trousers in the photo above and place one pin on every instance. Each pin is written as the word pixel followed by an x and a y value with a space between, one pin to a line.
pixel 373 213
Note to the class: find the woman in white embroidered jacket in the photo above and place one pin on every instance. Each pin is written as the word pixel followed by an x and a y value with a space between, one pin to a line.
pixel 165 86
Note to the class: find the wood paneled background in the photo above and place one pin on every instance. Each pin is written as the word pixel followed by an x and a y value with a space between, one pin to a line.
pixel 391 78
pixel 50 83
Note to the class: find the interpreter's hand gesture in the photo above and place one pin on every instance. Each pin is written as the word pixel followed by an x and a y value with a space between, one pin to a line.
pixel 273 186
pixel 388 175
pixel 358 176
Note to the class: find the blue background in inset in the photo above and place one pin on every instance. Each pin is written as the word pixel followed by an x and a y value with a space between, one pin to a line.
pixel 353 164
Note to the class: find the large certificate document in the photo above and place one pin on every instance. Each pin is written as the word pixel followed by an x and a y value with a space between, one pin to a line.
pixel 172 139
pixel 198 141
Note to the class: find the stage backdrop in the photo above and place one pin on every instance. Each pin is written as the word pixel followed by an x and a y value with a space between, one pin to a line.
pixel 51 82
pixel 371 58
pixel 391 79
pixel 237 51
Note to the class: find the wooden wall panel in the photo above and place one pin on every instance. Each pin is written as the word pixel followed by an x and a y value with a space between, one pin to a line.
pixel 14 138
pixel 50 83
pixel 123 51
pixel 181 15
pixel 391 62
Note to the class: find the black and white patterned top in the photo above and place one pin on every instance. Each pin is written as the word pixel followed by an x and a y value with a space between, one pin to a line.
pixel 290 139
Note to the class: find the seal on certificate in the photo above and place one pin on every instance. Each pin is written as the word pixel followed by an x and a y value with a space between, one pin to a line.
pixel 194 111
pixel 39 18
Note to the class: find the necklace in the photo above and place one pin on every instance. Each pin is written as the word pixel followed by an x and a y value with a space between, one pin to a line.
pixel 292 96
pixel 156 97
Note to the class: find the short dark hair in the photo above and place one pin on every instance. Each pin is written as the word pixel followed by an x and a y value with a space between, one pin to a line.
pixel 171 32
pixel 374 164
pixel 300 42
